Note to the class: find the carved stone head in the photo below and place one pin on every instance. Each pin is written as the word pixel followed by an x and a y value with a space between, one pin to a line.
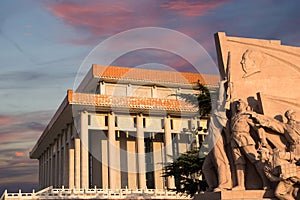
pixel 241 105
pixel 250 62
pixel 290 115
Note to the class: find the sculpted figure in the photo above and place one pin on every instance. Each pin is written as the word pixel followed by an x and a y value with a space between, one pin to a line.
pixel 291 129
pixel 243 145
pixel 216 168
pixel 283 170
pixel 250 63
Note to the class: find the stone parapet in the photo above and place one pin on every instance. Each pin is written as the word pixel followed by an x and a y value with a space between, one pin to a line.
pixel 95 193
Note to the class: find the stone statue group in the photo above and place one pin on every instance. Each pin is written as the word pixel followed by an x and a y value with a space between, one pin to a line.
pixel 243 157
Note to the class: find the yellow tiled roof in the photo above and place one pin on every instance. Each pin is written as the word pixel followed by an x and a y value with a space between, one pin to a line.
pixel 115 72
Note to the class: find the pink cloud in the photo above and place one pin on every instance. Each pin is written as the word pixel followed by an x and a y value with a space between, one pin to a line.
pixel 193 8
pixel 154 56
pixel 4 119
pixel 102 18
pixel 18 134
pixel 19 154
pixel 91 15
pixel 23 127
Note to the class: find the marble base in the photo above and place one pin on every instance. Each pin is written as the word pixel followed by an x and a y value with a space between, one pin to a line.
pixel 237 195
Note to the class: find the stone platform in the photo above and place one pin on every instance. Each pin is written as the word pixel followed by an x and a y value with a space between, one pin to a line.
pixel 237 195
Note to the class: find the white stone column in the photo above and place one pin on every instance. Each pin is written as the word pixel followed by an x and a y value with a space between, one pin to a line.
pixel 112 154
pixel 56 171
pixel 40 171
pixel 168 147
pixel 84 149
pixel 47 175
pixel 66 158
pixel 129 90
pixel 41 164
pixel 154 91
pixel 77 162
pixel 48 166
pixel 51 166
pixel 132 164
pixel 59 160
pixel 71 174
pixel 102 87
pixel 45 168
pixel 158 156
pixel 141 152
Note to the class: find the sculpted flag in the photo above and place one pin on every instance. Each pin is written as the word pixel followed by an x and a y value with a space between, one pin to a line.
pixel 217 121
pixel 261 66
pixel 264 73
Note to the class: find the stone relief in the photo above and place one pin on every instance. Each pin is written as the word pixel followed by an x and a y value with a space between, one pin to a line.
pixel 283 166
pixel 243 143
pixel 278 170
pixel 250 62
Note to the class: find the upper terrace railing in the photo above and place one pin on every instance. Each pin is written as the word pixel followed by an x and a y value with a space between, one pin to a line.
pixel 95 193
pixel 130 102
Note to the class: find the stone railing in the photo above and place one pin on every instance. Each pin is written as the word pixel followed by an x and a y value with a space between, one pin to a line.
pixel 130 102
pixel 18 195
pixel 95 193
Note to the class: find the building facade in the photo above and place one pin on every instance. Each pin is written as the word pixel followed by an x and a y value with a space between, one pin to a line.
pixel 119 128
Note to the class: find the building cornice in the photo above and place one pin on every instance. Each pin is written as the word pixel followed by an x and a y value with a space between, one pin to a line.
pixel 129 102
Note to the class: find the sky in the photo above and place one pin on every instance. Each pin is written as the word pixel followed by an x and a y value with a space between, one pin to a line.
pixel 43 44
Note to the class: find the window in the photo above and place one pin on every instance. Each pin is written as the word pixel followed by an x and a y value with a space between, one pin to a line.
pixel 162 123
pixel 189 124
pixel 89 120
pixel 172 124
pixel 106 121
pixel 134 122
pixel 175 138
pixel 98 89
pixel 116 121
pixel 144 122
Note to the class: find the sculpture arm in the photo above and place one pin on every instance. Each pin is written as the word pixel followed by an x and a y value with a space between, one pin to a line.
pixel 268 122
pixel 262 136
pixel 260 132
pixel 270 174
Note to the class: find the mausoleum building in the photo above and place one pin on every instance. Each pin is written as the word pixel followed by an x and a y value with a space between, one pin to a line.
pixel 119 128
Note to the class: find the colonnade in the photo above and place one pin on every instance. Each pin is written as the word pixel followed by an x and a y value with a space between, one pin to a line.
pixel 65 162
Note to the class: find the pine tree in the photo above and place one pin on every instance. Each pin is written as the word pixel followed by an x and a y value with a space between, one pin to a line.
pixel 186 169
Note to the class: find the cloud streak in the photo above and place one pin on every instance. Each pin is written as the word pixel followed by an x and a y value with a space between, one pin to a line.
pixel 193 8
pixel 96 20
pixel 99 19
pixel 145 56
pixel 18 134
